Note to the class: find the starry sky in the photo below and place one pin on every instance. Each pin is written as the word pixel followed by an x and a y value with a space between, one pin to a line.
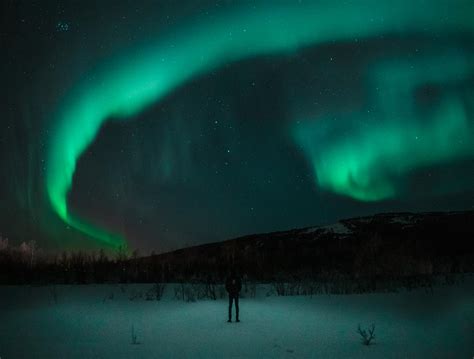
pixel 162 124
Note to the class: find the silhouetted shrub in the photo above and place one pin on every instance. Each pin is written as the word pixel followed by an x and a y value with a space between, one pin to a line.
pixel 134 336
pixel 155 292
pixel 135 295
pixel 367 335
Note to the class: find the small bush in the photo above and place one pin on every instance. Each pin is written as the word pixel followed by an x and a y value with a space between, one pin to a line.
pixel 310 287
pixel 134 336
pixel 222 291
pixel 54 293
pixel 280 288
pixel 186 292
pixel 179 292
pixel 210 290
pixel 252 289
pixel 190 293
pixel 367 335
pixel 109 296
pixel 135 294
pixel 155 292
pixel 288 287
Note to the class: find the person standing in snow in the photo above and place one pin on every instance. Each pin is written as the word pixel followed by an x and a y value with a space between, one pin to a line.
pixel 233 285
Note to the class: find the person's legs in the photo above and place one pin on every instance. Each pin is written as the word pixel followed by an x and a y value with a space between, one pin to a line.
pixel 236 299
pixel 230 307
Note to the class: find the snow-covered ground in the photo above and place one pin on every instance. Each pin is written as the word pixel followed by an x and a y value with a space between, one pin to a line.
pixel 86 323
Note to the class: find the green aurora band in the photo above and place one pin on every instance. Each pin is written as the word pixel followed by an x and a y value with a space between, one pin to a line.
pixel 395 137
pixel 135 80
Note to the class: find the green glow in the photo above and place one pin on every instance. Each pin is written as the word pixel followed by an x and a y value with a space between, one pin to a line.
pixel 396 137
pixel 133 81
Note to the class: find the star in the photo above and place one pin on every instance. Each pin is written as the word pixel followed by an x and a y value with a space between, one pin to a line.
pixel 62 26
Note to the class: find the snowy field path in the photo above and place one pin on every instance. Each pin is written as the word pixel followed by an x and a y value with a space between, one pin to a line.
pixel 84 325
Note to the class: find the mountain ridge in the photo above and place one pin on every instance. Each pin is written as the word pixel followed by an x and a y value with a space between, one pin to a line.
pixel 424 243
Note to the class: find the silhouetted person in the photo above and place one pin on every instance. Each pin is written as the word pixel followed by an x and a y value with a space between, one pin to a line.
pixel 233 285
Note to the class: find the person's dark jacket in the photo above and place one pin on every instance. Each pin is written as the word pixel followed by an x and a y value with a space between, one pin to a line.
pixel 233 285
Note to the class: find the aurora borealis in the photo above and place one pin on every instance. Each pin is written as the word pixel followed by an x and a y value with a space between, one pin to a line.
pixel 396 138
pixel 366 105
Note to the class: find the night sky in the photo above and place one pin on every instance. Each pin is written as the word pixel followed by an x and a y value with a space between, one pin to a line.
pixel 162 124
